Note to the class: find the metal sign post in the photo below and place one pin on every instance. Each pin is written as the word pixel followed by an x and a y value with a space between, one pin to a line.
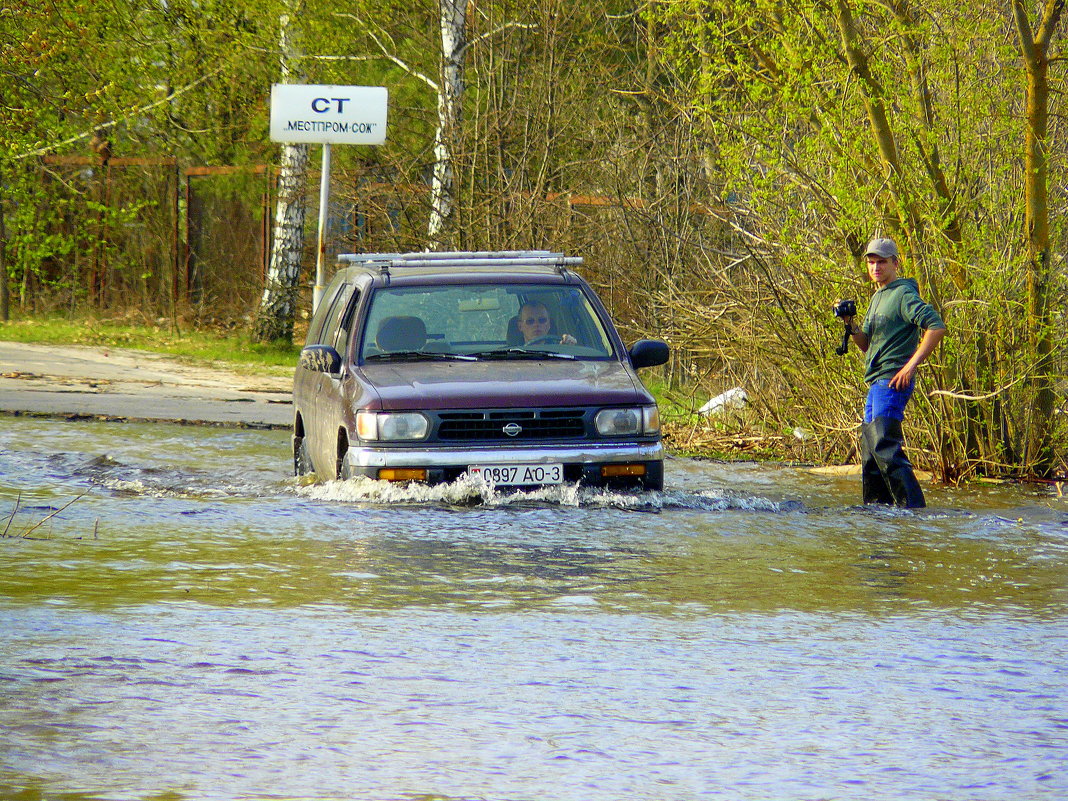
pixel 320 252
pixel 352 115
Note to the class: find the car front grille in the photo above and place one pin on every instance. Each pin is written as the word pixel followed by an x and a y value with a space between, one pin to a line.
pixel 511 425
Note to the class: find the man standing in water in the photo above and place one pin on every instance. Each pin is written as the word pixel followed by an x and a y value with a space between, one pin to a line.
pixel 890 336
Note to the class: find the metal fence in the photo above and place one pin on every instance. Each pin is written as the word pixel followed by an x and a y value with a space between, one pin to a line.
pixel 147 234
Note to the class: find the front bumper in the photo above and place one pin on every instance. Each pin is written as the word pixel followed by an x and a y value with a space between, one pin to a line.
pixel 581 463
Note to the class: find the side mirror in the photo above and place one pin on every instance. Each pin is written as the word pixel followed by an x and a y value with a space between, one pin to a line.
pixel 320 359
pixel 648 353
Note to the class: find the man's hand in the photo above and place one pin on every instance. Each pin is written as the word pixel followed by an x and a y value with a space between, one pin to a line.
pixel 903 378
pixel 860 339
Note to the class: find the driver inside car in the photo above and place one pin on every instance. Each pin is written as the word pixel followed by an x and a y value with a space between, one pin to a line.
pixel 534 324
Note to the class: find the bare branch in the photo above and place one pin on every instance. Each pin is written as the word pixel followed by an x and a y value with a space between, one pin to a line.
pixel 390 56
pixel 11 517
pixel 1051 15
pixel 111 123
pixel 494 32
pixel 966 397
pixel 45 519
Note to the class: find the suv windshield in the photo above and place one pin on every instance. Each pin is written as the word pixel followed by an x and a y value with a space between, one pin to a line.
pixel 483 321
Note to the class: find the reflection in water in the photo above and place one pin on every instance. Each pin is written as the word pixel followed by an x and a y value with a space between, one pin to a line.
pixel 199 625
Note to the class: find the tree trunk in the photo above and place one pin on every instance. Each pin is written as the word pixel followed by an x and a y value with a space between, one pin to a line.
pixel 453 19
pixel 874 96
pixel 948 221
pixel 5 291
pixel 278 305
pixel 1034 48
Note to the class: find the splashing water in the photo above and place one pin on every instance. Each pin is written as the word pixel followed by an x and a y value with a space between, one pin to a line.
pixel 470 490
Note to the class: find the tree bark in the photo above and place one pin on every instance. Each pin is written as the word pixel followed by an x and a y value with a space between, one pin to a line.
pixel 1034 49
pixel 278 306
pixel 453 19
pixel 948 222
pixel 5 290
pixel 874 95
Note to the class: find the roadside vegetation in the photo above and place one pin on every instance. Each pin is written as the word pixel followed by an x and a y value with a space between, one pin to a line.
pixel 737 433
pixel 718 165
pixel 206 346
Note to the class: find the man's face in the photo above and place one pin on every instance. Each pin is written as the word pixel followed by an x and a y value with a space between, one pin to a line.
pixel 533 322
pixel 882 270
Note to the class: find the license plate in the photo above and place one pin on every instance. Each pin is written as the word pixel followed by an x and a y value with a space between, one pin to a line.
pixel 518 475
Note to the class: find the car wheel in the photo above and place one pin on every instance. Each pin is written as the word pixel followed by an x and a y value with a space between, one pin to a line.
pixel 302 465
pixel 342 471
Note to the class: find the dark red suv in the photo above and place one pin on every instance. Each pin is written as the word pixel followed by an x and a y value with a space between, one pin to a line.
pixel 504 365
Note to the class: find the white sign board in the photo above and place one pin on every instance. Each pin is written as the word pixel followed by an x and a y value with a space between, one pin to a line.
pixel 340 115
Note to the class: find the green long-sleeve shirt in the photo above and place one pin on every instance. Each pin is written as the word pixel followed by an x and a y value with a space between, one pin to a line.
pixel 895 318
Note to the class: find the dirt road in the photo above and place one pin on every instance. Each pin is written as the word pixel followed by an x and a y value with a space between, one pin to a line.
pixel 116 384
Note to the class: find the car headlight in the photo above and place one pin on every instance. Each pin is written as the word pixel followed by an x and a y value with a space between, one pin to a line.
pixel 391 426
pixel 651 419
pixel 627 421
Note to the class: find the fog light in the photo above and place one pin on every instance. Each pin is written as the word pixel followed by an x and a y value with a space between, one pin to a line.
pixel 402 474
pixel 615 470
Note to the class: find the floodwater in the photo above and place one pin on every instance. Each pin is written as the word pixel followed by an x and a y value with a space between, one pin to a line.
pixel 180 619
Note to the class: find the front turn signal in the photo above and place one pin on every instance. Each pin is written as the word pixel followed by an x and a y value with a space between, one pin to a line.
pixel 402 474
pixel 616 470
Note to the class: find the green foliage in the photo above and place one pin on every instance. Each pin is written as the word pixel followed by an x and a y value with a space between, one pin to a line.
pixel 791 115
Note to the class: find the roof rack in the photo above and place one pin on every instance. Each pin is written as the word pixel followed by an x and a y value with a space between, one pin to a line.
pixel 463 258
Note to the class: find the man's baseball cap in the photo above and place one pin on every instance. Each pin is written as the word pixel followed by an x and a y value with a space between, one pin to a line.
pixel 885 248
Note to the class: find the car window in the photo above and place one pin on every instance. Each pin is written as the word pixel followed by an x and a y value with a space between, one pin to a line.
pixel 345 323
pixel 476 318
pixel 315 327
pixel 328 335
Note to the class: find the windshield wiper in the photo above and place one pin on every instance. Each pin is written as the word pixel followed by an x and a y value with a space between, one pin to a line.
pixel 418 355
pixel 520 353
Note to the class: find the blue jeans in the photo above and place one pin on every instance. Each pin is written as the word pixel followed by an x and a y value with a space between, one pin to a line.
pixel 885 402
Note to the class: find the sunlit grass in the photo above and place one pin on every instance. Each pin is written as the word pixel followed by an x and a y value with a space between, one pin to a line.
pixel 204 346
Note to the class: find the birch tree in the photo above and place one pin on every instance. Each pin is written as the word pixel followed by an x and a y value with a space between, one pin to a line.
pixel 278 305
pixel 453 30
pixel 452 46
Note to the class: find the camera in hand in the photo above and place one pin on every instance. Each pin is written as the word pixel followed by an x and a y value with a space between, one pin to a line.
pixel 845 308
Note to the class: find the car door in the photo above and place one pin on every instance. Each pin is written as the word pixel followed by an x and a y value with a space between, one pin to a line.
pixel 319 397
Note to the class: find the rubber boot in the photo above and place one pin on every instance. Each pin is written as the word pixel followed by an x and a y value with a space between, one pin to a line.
pixel 871 477
pixel 888 448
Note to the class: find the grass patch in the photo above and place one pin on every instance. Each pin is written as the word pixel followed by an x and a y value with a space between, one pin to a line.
pixel 233 348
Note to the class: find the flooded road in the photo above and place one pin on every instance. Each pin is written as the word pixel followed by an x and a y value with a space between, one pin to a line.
pixel 198 625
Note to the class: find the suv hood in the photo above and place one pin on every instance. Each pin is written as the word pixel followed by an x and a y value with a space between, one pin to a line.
pixel 502 384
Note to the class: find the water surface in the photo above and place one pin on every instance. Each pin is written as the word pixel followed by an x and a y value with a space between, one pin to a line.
pixel 199 625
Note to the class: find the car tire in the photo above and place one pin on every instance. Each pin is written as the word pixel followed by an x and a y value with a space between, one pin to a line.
pixel 302 464
pixel 342 471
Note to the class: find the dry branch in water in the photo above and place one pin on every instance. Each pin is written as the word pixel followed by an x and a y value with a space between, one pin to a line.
pixel 25 534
